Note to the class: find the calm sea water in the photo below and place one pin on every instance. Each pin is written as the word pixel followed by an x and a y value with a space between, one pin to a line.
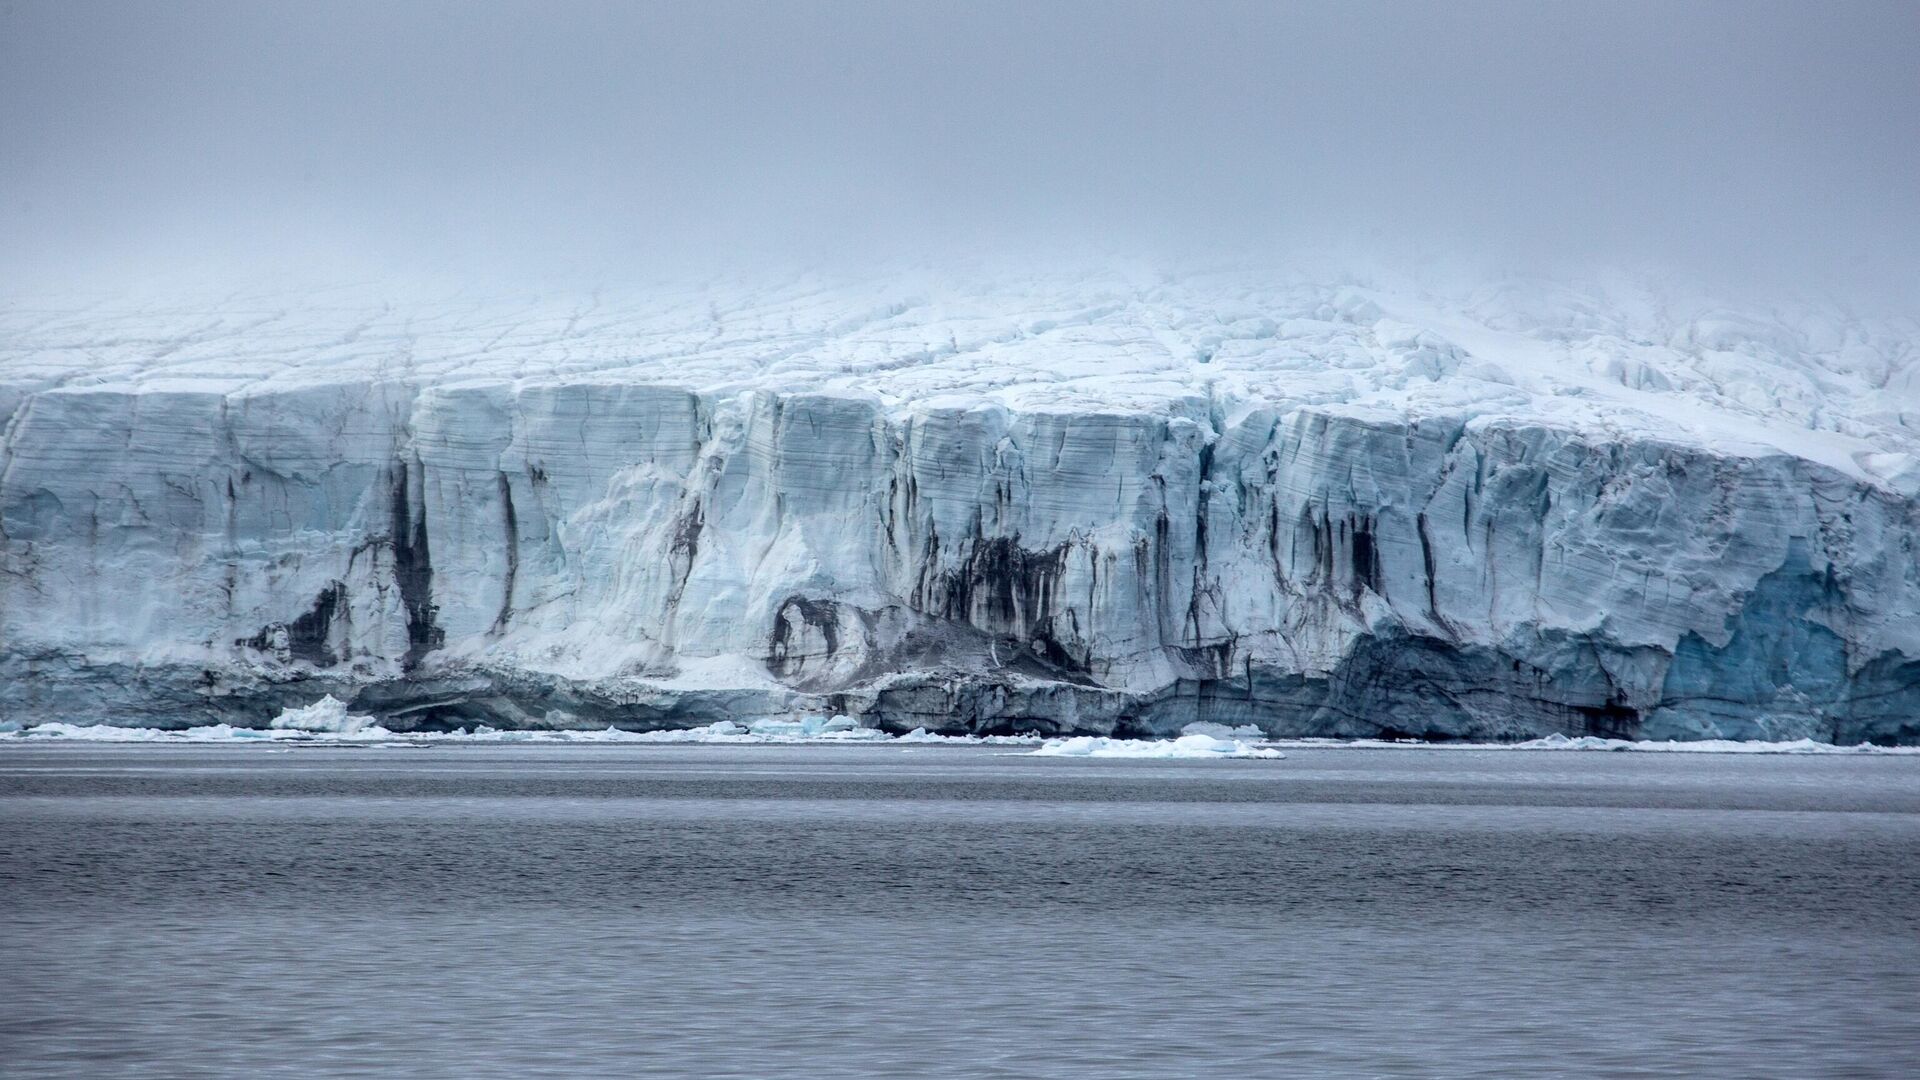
pixel 947 912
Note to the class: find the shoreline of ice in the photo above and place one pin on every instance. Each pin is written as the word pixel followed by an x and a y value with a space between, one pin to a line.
pixel 327 722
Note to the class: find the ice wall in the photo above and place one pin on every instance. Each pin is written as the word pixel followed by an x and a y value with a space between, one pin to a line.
pixel 591 550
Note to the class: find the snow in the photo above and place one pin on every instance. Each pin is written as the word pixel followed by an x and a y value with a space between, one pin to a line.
pixel 1627 354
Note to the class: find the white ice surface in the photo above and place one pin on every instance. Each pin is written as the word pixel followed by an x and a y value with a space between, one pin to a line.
pixel 726 733
pixel 328 721
pixel 1709 746
pixel 1628 355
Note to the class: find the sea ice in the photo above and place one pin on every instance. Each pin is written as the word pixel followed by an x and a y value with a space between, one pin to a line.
pixel 1193 745
pixel 328 715
pixel 1196 747
pixel 1708 746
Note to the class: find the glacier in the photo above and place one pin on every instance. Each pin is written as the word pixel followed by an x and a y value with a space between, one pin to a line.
pixel 1111 503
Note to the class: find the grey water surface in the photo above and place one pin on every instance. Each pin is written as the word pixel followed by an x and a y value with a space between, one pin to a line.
pixel 480 911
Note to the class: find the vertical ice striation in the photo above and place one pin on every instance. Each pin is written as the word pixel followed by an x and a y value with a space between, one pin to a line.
pixel 1116 508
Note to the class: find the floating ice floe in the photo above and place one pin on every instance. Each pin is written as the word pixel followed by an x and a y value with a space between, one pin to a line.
pixel 1707 746
pixel 922 735
pixel 328 721
pixel 779 730
pixel 1589 742
pixel 1196 746
pixel 329 715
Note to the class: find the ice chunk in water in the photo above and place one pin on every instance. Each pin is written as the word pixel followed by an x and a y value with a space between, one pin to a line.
pixel 328 715
pixel 1196 746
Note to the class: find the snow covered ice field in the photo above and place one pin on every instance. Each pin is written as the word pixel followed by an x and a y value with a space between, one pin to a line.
pixel 1102 503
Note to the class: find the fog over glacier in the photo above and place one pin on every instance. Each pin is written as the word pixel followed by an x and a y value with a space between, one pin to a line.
pixel 1769 142
pixel 1483 370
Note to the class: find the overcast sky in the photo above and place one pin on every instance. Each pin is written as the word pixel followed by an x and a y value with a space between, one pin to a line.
pixel 1779 140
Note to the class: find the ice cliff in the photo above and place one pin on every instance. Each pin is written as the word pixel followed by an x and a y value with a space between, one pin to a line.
pixel 1112 503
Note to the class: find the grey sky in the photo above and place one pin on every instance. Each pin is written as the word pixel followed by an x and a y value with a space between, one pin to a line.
pixel 382 138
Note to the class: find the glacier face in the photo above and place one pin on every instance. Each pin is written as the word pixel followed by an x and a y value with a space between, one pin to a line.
pixel 1091 504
